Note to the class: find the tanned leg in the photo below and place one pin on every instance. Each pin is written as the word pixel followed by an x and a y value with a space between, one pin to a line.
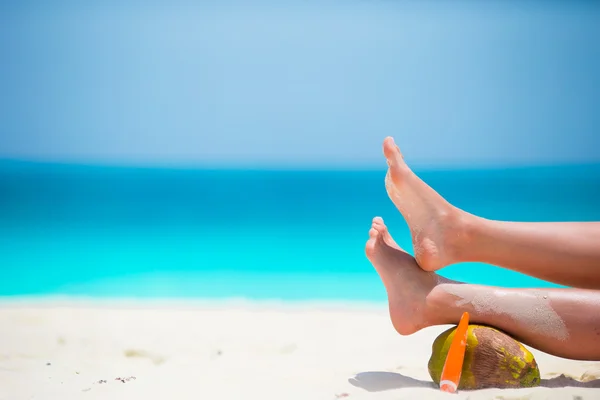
pixel 565 253
pixel 563 322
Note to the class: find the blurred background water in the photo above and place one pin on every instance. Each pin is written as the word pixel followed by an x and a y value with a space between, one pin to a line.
pixel 233 149
pixel 243 233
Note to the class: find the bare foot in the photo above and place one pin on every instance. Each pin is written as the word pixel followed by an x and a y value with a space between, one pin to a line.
pixel 406 284
pixel 435 225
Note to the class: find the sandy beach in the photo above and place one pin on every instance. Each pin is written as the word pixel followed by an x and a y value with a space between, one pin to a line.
pixel 66 349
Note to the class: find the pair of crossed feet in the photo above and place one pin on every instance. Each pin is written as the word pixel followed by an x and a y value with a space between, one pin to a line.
pixel 436 228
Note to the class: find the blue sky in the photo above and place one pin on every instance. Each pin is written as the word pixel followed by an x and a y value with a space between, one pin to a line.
pixel 304 83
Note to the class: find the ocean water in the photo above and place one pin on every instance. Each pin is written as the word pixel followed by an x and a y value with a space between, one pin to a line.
pixel 289 235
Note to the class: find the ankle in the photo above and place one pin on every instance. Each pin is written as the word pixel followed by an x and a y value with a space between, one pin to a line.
pixel 441 307
pixel 436 307
pixel 460 233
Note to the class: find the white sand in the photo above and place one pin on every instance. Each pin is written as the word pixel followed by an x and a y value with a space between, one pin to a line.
pixel 63 350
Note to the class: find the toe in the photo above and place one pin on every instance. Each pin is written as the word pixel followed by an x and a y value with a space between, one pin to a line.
pixel 380 227
pixel 392 152
pixel 370 247
pixel 373 233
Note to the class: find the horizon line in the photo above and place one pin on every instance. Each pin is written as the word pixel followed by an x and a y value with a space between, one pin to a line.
pixel 257 166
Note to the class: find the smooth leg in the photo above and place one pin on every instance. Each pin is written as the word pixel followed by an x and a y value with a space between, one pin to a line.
pixel 565 253
pixel 562 322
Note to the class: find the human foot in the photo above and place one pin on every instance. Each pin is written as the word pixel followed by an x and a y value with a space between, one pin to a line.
pixel 406 284
pixel 435 225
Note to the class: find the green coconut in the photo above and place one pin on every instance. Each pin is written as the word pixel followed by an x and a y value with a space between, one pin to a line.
pixel 492 360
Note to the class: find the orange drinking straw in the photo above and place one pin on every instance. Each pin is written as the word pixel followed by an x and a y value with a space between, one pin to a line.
pixel 456 355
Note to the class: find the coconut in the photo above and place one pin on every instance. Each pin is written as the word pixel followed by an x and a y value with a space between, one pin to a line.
pixel 492 360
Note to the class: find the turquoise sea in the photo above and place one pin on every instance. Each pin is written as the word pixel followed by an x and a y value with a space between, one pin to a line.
pixel 260 234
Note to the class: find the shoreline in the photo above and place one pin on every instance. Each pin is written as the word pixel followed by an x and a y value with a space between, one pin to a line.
pixel 75 347
pixel 240 303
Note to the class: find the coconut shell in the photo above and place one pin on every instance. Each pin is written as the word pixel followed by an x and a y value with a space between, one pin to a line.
pixel 492 360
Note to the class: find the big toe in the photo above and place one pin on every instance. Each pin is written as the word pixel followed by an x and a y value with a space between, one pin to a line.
pixel 392 152
pixel 371 246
